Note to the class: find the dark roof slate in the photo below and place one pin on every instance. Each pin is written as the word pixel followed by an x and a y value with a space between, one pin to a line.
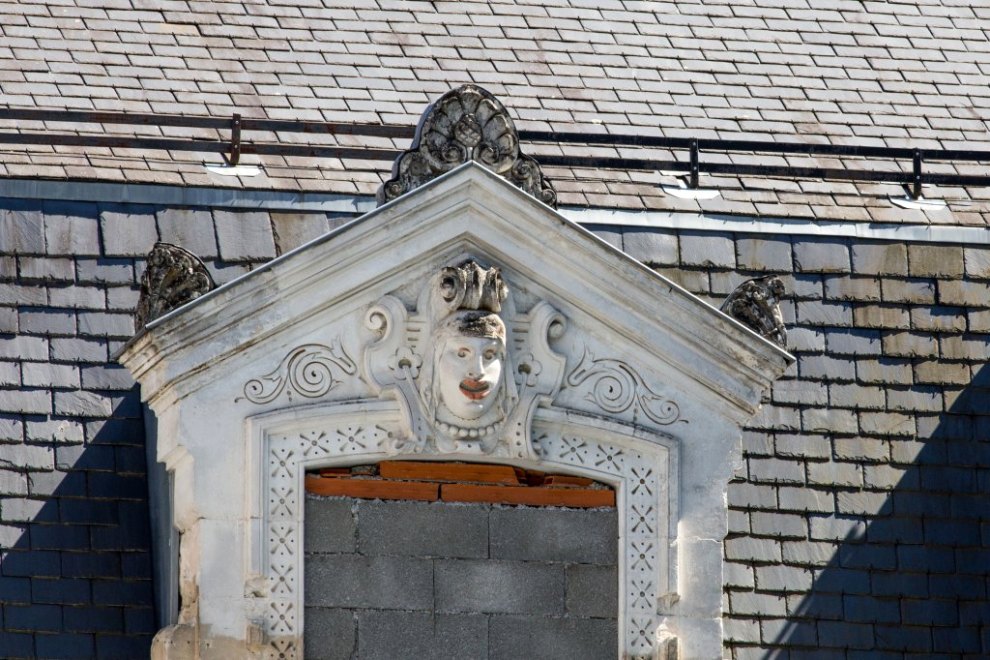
pixel 905 74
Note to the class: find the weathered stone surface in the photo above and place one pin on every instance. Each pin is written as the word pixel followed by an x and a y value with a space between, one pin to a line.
pixel 879 258
pixel 821 256
pixel 295 229
pixel 72 229
pixel 708 250
pixel 329 525
pixel 767 254
pixel 330 634
pixel 22 228
pixel 127 231
pixel 592 591
pixel 651 246
pixel 935 261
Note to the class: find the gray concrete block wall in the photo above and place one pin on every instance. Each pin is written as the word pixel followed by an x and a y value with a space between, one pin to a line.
pixel 858 522
pixel 442 580
pixel 75 560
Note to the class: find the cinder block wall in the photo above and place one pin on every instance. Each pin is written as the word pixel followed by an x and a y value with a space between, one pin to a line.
pixel 388 580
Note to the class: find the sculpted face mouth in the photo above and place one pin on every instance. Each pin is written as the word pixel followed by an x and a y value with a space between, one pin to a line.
pixel 475 389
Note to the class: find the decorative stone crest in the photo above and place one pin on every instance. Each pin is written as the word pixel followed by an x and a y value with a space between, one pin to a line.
pixel 756 304
pixel 173 277
pixel 466 123
pixel 467 372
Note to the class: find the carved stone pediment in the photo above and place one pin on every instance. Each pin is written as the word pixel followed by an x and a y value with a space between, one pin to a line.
pixel 464 321
pixel 466 124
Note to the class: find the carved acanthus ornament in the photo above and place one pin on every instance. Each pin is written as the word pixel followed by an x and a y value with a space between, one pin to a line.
pixel 467 379
pixel 466 124
pixel 307 370
pixel 756 304
pixel 173 277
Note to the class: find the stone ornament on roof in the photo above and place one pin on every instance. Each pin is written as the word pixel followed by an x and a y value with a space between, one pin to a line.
pixel 174 276
pixel 466 124
pixel 756 304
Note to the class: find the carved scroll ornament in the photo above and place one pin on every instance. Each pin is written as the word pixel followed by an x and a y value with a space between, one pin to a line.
pixel 466 124
pixel 173 277
pixel 309 370
pixel 756 304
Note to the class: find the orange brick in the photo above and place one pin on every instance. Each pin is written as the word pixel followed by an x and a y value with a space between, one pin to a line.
pixel 372 489
pixel 477 472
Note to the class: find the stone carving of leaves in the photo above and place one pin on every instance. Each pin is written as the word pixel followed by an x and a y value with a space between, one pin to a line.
pixel 617 388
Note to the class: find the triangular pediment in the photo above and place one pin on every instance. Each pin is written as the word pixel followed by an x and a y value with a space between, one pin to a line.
pixel 469 213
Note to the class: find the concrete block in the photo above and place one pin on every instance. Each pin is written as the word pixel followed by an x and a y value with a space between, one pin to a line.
pixel 879 258
pixel 295 229
pixel 935 260
pixel 191 229
pixel 330 634
pixel 908 291
pixel 592 591
pixel 369 582
pixel 764 254
pixel 553 534
pixel 127 231
pixel 509 587
pixel 422 529
pixel 512 637
pixel 710 250
pixel 852 288
pixel 389 635
pixel 329 525
pixel 244 236
pixel 22 227
pixel 71 228
pixel 651 246
pixel 821 256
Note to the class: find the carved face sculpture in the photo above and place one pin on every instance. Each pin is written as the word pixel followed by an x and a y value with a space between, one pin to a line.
pixel 471 352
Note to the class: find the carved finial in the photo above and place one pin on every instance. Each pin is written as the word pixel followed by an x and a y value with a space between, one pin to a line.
pixel 466 123
pixel 470 286
pixel 756 304
pixel 174 276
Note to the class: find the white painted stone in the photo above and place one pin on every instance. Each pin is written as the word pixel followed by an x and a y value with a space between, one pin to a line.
pixel 309 362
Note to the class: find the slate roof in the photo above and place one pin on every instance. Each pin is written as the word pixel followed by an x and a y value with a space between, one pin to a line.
pixel 905 74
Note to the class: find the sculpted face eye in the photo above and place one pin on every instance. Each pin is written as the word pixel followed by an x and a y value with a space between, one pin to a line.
pixel 463 352
pixel 491 354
